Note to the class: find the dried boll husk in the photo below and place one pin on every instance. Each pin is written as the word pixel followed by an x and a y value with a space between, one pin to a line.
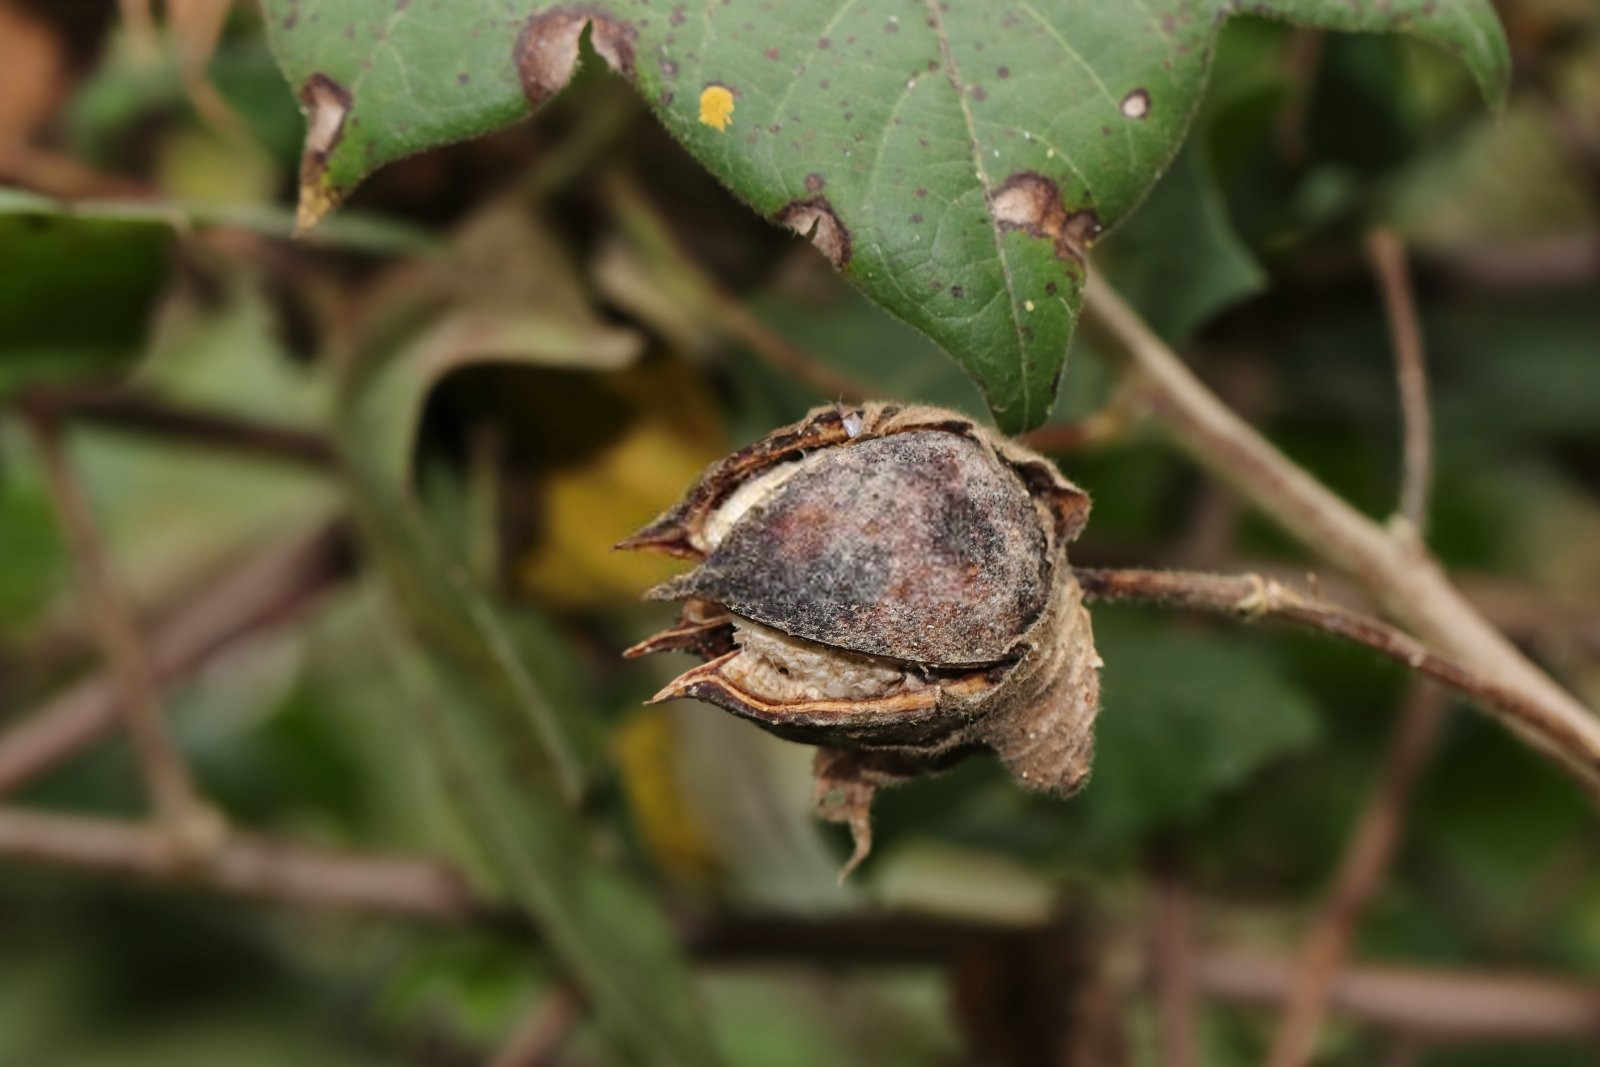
pixel 890 584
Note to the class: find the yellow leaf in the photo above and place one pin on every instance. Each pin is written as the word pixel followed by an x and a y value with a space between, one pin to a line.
pixel 646 751
pixel 589 507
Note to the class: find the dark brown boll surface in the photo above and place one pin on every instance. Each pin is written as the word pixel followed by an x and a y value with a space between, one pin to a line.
pixel 919 546
pixel 890 584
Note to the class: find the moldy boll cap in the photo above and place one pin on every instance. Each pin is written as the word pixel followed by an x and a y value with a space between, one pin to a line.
pixel 889 584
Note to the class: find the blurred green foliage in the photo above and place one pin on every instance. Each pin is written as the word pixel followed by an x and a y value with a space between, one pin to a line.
pixel 520 346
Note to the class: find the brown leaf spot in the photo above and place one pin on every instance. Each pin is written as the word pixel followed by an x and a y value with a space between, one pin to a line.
pixel 326 104
pixel 816 219
pixel 1030 202
pixel 815 182
pixel 547 48
pixel 1136 105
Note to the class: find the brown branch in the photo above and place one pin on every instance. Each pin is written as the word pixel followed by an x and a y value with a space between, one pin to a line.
pixel 274 585
pixel 1173 959
pixel 245 865
pixel 1438 1004
pixel 165 774
pixel 122 408
pixel 739 323
pixel 1111 422
pixel 1251 596
pixel 690 283
pixel 1545 263
pixel 1302 63
pixel 1441 1005
pixel 538 1039
pixel 1400 575
pixel 1388 258
pixel 1445 1005
pixel 1367 856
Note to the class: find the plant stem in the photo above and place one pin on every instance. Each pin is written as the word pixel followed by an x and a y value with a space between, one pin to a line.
pixel 268 589
pixel 1367 855
pixel 127 409
pixel 165 774
pixel 243 864
pixel 1388 258
pixel 1443 1004
pixel 1398 571
pixel 1254 597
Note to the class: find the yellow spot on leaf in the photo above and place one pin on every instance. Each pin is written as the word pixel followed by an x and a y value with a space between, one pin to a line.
pixel 716 106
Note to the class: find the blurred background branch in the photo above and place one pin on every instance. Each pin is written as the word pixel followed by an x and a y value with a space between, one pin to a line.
pixel 352 498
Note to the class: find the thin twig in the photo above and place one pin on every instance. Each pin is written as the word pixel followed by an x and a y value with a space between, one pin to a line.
pixel 1406 581
pixel 1564 260
pixel 1251 596
pixel 1302 64
pixel 122 408
pixel 537 1039
pixel 166 776
pixel 1388 258
pixel 1440 1005
pixel 689 281
pixel 245 865
pixel 1406 1050
pixel 1174 974
pixel 1367 855
pixel 271 587
pixel 1110 422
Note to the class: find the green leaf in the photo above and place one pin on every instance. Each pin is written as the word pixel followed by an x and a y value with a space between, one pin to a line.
pixel 517 304
pixel 607 929
pixel 512 759
pixel 1185 717
pixel 955 159
pixel 76 294
pixel 1178 260
pixel 511 296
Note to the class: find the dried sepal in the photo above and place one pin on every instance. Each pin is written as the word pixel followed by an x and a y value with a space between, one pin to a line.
pixel 891 584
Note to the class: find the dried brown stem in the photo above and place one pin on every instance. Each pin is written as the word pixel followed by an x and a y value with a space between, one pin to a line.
pixel 165 773
pixel 1367 856
pixel 538 1038
pixel 1440 1005
pixel 1546 263
pixel 1302 62
pixel 1406 581
pixel 1251 596
pixel 1387 255
pixel 243 864
pixel 1174 974
pixel 1097 428
pixel 689 281
pixel 738 323
pixel 1443 1005
pixel 274 585
pixel 128 409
